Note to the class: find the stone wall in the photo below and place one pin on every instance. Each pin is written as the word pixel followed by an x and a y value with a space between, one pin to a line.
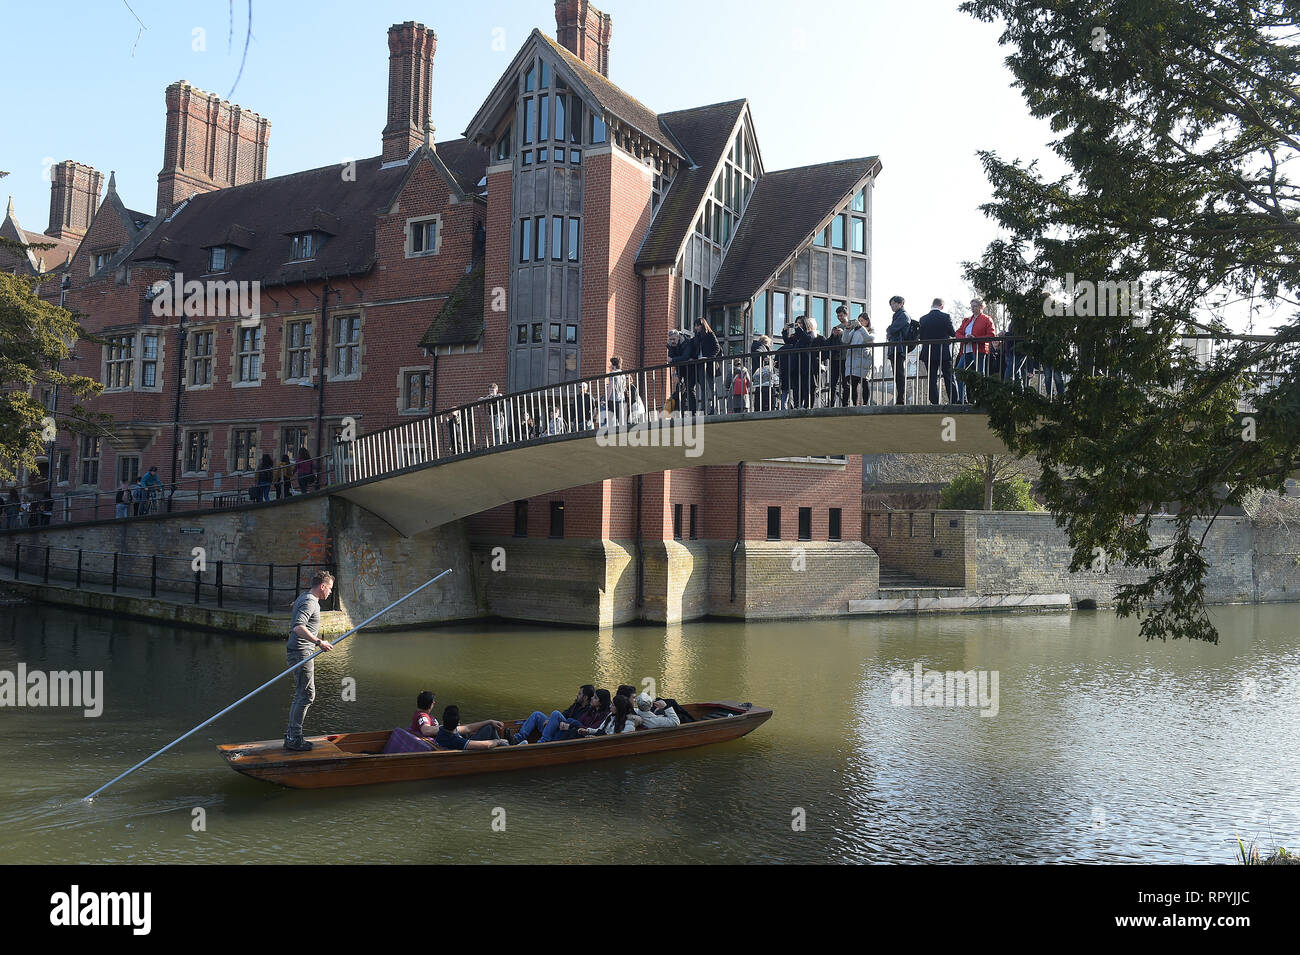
pixel 1015 552
pixel 936 546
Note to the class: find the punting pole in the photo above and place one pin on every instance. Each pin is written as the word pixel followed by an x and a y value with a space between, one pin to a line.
pixel 213 719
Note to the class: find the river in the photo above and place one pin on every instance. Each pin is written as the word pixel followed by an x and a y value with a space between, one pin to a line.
pixel 1104 748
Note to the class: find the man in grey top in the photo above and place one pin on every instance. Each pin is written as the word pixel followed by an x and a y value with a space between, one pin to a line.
pixel 303 642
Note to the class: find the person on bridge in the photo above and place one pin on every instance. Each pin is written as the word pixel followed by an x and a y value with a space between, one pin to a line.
pixel 616 395
pixel 123 500
pixel 765 385
pixel 937 330
pixel 900 332
pixel 973 353
pixel 787 368
pixel 304 640
pixel 556 425
pixel 858 361
pixel 265 478
pixel 806 338
pixel 739 387
pixel 306 471
pixel 704 346
pixel 582 409
pixel 284 478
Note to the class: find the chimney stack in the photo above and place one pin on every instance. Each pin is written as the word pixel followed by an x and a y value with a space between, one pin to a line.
pixel 411 47
pixel 584 31
pixel 210 144
pixel 74 197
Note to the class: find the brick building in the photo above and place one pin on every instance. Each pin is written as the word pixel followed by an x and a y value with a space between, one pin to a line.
pixel 570 224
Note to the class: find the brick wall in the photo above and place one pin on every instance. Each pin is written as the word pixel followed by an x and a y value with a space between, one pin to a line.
pixel 935 546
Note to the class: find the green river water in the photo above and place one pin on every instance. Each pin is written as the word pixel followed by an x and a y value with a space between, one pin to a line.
pixel 1104 747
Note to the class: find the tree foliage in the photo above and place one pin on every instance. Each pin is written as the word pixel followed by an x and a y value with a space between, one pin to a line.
pixel 967 493
pixel 35 336
pixel 1177 124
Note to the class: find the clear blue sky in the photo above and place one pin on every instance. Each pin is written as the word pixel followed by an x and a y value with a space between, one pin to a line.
pixel 917 83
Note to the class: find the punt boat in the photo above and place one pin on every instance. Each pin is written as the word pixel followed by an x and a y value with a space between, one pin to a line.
pixel 359 759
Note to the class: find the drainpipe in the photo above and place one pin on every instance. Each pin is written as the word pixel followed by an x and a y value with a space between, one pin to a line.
pixel 320 377
pixel 640 547
pixel 176 413
pixel 740 527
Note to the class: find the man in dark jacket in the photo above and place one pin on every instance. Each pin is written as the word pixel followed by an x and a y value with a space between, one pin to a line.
pixel 704 345
pixel 787 368
pixel 900 331
pixel 938 330
pixel 807 361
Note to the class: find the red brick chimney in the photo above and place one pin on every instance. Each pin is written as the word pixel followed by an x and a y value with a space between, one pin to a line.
pixel 584 31
pixel 411 47
pixel 209 144
pixel 74 197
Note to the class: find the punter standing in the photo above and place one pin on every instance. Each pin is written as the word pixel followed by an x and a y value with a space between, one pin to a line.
pixel 303 642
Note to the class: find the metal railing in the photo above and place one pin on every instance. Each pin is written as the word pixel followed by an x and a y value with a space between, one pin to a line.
pixel 190 494
pixel 915 373
pixel 791 380
pixel 217 581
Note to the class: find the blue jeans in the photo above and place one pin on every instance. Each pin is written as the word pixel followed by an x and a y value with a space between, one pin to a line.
pixel 304 691
pixel 967 360
pixel 553 731
pixel 536 721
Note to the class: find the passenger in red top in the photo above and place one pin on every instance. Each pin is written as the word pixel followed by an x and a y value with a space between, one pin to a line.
pixel 422 723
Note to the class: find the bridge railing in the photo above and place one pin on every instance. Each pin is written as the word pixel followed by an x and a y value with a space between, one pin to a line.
pixel 913 373
pixel 787 379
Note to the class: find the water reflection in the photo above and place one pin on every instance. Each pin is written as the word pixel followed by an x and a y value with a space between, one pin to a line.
pixel 1104 747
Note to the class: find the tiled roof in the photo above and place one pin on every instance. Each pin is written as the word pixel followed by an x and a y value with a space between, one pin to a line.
pixel 785 209
pixel 258 213
pixel 613 97
pixel 704 132
pixel 460 320
pixel 467 160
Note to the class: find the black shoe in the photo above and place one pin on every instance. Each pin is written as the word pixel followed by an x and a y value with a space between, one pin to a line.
pixel 298 745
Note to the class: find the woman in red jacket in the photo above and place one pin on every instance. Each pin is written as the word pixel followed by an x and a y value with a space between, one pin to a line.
pixel 974 353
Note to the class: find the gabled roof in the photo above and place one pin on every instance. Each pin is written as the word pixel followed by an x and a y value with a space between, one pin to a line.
pixel 787 207
pixel 257 216
pixel 467 160
pixel 593 87
pixel 612 97
pixel 705 133
pixel 460 320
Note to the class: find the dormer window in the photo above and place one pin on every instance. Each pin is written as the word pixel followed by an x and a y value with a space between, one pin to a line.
pixel 217 258
pixel 100 259
pixel 306 245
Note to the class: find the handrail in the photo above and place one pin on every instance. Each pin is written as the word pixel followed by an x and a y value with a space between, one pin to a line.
pixel 797 379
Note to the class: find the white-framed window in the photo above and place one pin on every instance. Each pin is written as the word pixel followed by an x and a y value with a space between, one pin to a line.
pixel 306 245
pixel 347 346
pixel 423 236
pixel 250 354
pixel 119 360
pixel 297 338
pixel 201 358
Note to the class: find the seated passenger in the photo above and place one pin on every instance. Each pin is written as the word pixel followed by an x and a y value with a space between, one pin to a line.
pixel 481 735
pixel 423 724
pixel 595 717
pixel 618 721
pixel 565 725
pixel 654 714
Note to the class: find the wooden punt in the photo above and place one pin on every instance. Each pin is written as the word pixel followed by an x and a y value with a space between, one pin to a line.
pixel 356 759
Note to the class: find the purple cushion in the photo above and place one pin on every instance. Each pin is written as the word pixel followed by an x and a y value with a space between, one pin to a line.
pixel 402 741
